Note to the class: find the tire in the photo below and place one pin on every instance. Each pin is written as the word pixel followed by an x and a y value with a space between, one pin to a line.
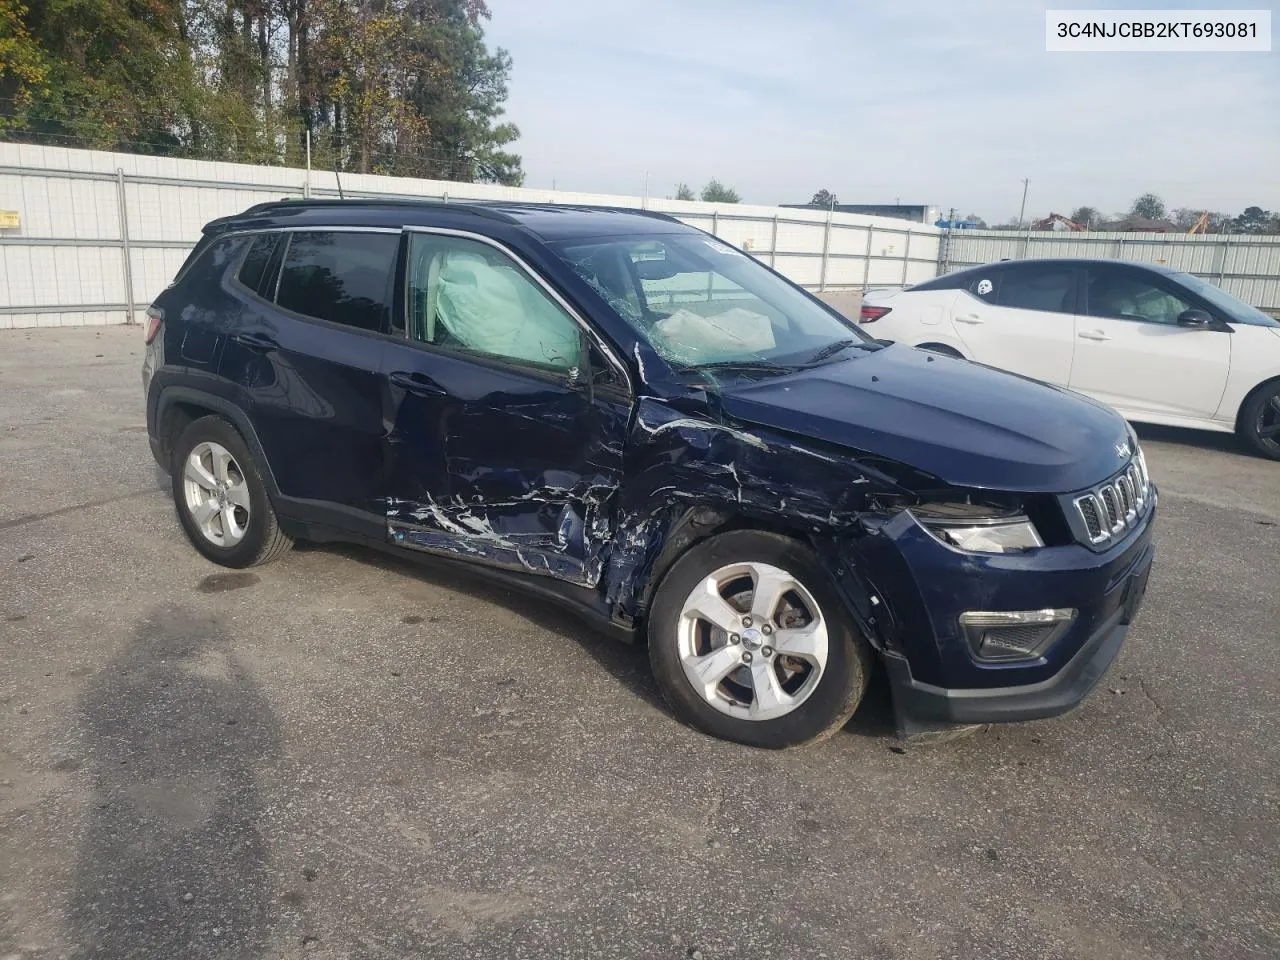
pixel 942 350
pixel 681 640
pixel 237 527
pixel 1259 424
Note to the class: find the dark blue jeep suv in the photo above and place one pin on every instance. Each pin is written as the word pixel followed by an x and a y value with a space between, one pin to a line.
pixel 629 416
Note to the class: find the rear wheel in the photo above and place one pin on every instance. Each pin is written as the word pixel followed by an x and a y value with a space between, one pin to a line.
pixel 751 642
pixel 221 500
pixel 1260 421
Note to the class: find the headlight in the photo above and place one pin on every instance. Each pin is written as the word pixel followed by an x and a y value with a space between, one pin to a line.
pixel 978 528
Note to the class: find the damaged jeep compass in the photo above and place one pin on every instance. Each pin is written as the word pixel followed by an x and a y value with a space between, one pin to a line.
pixel 632 417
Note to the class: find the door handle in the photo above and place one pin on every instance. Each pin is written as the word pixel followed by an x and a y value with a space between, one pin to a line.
pixel 418 383
pixel 255 341
pixel 1093 335
pixel 969 318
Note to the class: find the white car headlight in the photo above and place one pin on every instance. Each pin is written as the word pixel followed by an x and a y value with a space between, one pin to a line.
pixel 990 538
pixel 978 529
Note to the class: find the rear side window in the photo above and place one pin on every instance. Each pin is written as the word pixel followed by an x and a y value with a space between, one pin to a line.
pixel 1047 289
pixel 192 257
pixel 341 277
pixel 254 266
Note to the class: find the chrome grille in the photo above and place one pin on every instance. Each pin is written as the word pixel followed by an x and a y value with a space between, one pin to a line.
pixel 1114 506
pixel 1110 503
pixel 1088 508
pixel 1128 496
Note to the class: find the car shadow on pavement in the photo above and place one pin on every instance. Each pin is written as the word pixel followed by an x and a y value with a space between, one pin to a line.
pixel 172 861
pixel 627 663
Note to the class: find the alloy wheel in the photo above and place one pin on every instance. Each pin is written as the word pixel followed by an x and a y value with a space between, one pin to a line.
pixel 752 641
pixel 216 493
pixel 1268 425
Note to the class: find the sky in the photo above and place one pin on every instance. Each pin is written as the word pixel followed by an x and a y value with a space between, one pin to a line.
pixel 945 103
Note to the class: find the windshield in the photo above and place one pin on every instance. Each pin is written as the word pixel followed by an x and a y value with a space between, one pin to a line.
pixel 701 303
pixel 1233 307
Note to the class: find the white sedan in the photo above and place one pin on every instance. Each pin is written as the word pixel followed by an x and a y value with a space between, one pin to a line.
pixel 1158 345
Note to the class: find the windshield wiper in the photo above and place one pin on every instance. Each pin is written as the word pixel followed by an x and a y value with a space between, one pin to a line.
pixel 831 349
pixel 748 365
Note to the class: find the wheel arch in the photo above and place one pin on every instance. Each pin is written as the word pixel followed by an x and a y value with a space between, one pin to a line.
pixel 702 523
pixel 179 406
pixel 1250 394
pixel 942 348
pixel 631 590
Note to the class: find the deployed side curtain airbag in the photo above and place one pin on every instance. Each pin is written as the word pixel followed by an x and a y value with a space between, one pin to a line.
pixel 489 309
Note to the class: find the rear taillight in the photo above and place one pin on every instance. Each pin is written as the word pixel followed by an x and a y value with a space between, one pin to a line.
pixel 155 317
pixel 870 313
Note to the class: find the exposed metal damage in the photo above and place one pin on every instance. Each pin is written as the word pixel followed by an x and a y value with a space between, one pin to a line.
pixel 684 477
pixel 690 477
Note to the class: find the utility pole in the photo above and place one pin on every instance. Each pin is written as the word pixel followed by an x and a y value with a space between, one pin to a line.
pixel 944 247
pixel 1023 208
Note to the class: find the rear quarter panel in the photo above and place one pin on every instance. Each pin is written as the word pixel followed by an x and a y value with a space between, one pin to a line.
pixel 916 318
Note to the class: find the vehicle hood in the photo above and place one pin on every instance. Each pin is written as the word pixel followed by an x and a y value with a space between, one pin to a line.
pixel 967 424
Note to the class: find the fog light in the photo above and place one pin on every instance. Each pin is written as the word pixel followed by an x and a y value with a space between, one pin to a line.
pixel 1014 634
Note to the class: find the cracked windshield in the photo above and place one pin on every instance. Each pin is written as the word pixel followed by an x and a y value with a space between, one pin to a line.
pixel 701 303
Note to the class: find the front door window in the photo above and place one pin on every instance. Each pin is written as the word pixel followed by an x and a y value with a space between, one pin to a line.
pixel 467 296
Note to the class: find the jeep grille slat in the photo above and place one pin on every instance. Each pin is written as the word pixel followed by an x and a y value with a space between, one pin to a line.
pixel 1113 507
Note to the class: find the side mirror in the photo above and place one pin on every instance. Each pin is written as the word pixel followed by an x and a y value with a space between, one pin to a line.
pixel 1196 319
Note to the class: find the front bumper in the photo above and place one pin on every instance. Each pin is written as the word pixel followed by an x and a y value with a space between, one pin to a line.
pixel 924 587
pixel 921 705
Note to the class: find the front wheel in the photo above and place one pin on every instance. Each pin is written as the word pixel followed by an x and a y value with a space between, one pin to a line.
pixel 750 641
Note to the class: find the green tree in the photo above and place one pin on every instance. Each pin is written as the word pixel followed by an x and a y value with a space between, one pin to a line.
pixel 387 86
pixel 824 198
pixel 1148 206
pixel 717 192
pixel 461 96
pixel 1086 217
pixel 23 64
pixel 684 192
pixel 370 65
pixel 112 72
pixel 1256 220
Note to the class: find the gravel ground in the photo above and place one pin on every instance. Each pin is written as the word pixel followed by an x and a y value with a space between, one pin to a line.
pixel 345 755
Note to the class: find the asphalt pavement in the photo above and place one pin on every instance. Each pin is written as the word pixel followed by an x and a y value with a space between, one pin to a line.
pixel 346 755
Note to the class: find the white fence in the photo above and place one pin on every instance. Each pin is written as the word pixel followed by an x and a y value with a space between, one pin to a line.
pixel 1245 265
pixel 100 234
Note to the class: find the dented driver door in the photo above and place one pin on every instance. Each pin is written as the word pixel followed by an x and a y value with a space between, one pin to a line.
pixel 500 448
